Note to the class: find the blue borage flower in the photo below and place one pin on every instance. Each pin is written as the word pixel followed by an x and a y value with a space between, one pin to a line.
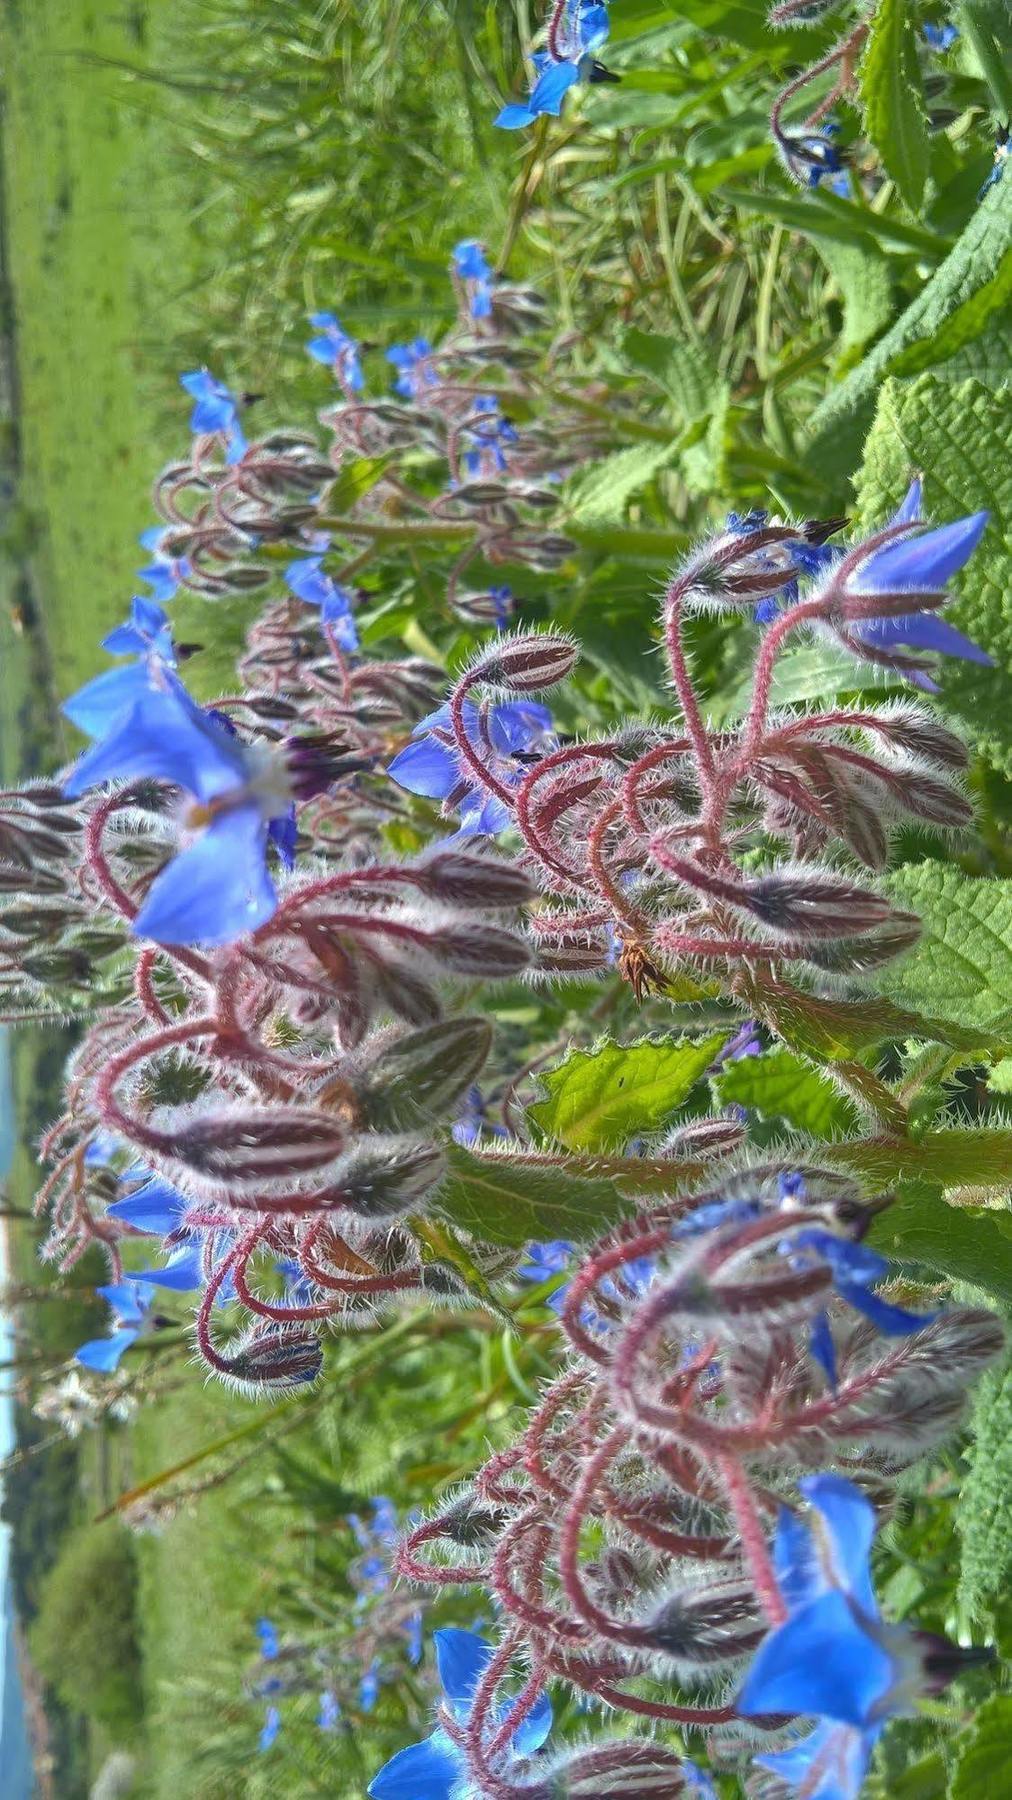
pixel 834 1659
pixel 940 37
pixel 147 637
pixel 309 581
pixel 584 32
pixel 471 267
pixel 333 347
pixel 218 887
pixel 129 1304
pixel 487 432
pixel 329 1715
pixel 270 1729
pixel 165 573
pixel 813 157
pixel 435 1769
pixel 414 368
pixel 430 765
pixel 267 1632
pixel 216 412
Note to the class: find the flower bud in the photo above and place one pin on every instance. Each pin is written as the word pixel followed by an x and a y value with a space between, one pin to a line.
pixel 277 1357
pixel 701 1627
pixel 478 950
pixel 850 956
pixel 22 879
pixel 241 1147
pixel 424 1073
pixel 635 1770
pixel 382 1179
pixel 813 905
pixel 472 1522
pixel 525 665
pixel 465 879
pixel 704 1137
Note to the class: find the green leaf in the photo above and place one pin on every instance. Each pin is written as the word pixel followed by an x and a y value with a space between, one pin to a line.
pixel 781 1085
pixel 597 1099
pixel 355 479
pixel 957 434
pixel 961 968
pixel 952 1159
pixel 600 495
pixel 983 1767
pixel 1000 1079
pixel 685 373
pixel 501 1200
pixel 984 1513
pixel 971 282
pixel 959 1242
pixel 440 1245
pixel 890 83
pixel 833 1029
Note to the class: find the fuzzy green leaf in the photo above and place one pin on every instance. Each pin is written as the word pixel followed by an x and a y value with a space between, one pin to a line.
pixel 983 1767
pixel 961 1243
pixel 833 1029
pixel 890 81
pixel 961 967
pixel 971 283
pixel 781 1085
pixel 597 1099
pixel 955 1159
pixel 502 1200
pixel 984 1514
pixel 957 433
pixel 600 496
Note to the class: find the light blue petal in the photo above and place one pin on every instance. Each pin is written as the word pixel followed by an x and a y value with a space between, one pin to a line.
pixel 552 86
pixel 514 117
pixel 183 1273
pixel 199 383
pixel 426 767
pixel 155 1208
pixel 829 1764
pixel 800 1576
pixel 820 1662
pixel 920 631
pixel 215 891
pixel 518 725
pixel 895 1321
pixel 164 736
pixel 925 562
pixel 151 538
pixel 128 1302
pixel 96 706
pixel 594 27
pixel 427 1771
pixel 104 1353
pixel 461 1658
pixel 910 507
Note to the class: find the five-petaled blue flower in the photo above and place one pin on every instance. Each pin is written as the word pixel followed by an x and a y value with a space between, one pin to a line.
pixel 471 267
pixel 216 412
pixel 307 579
pixel 166 572
pixel 584 31
pixel 940 37
pixel 813 157
pixel 487 432
pixel 147 637
pixel 218 886
pixel 922 563
pixel 333 347
pixel 834 1658
pixel 430 765
pixel 129 1304
pixel 434 1769
pixel 414 370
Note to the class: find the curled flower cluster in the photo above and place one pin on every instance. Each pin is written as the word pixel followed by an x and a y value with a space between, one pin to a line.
pixel 656 1538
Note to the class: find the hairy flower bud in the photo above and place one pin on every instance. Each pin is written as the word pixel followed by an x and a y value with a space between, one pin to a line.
pixel 380 1179
pixel 525 665
pixel 424 1073
pixel 478 950
pixel 635 1770
pixel 700 1627
pixel 277 1357
pixel 465 879
pixel 245 1147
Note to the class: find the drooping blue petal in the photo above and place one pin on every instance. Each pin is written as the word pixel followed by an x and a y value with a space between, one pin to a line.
pixel 800 1575
pixel 822 1347
pixel 594 27
pixel 517 725
pixel 514 117
pixel 829 1764
pixel 151 538
pixel 102 1149
pixel 895 1321
pixel 850 1525
pixel 820 1662
pixel 910 507
pixel 426 1771
pixel 534 1729
pixel 925 562
pixel 155 1208
pixel 426 767
pixel 552 86
pixel 920 631
pixel 481 815
pixel 183 1272
pixel 461 1658
pixel 270 1729
pixel 104 1354
pixel 166 737
pixel 215 890
pixel 96 706
pixel 128 1302
pixel 283 833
